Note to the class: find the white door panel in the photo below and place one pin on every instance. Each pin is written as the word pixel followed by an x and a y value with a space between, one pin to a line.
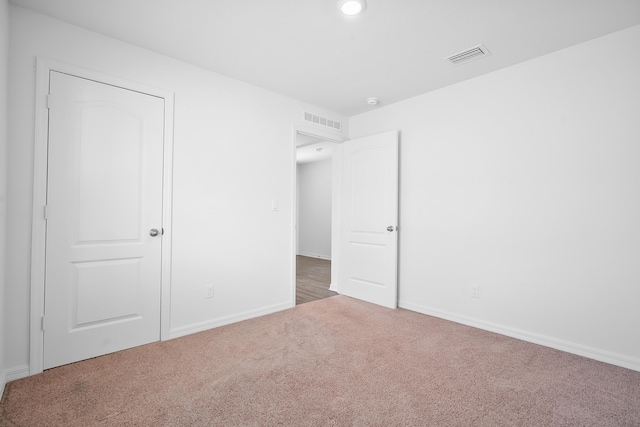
pixel 109 184
pixel 369 207
pixel 104 194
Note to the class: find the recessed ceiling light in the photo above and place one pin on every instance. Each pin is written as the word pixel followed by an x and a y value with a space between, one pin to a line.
pixel 373 100
pixel 352 7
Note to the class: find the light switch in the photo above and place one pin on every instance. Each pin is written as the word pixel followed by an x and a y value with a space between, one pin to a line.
pixel 274 205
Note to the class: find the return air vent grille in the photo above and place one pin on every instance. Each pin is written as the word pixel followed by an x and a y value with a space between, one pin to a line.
pixel 468 55
pixel 322 121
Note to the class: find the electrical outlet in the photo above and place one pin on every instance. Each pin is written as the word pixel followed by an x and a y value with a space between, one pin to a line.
pixel 208 291
pixel 475 291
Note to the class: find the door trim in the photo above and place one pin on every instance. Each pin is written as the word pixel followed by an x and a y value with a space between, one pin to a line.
pixel 38 228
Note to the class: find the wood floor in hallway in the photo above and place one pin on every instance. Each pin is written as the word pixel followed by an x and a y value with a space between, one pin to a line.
pixel 313 277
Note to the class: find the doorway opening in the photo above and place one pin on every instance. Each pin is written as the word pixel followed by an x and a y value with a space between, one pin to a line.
pixel 313 239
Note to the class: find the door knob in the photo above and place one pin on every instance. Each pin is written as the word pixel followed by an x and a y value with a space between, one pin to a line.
pixel 153 232
pixel 390 228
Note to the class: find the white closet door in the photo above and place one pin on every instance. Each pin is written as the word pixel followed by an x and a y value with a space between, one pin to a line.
pixel 104 199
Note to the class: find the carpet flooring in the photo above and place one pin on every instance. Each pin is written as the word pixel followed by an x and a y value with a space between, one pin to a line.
pixel 333 362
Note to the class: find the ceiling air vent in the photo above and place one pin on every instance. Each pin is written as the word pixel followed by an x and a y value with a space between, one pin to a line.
pixel 471 54
pixel 322 121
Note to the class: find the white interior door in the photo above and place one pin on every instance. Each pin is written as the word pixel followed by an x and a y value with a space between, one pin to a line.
pixel 104 196
pixel 369 236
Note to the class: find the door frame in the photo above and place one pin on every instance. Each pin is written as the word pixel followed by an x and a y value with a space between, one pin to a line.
pixel 38 228
pixel 336 186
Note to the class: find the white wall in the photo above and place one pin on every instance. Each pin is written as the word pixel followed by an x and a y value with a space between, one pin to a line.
pixel 526 182
pixel 233 154
pixel 314 209
pixel 4 60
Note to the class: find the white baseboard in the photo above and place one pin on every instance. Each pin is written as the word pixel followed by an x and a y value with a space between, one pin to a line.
pixel 210 324
pixel 14 373
pixel 312 255
pixel 547 341
pixel 3 382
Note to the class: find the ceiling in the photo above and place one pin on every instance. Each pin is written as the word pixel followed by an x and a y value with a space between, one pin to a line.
pixel 314 153
pixel 312 148
pixel 307 50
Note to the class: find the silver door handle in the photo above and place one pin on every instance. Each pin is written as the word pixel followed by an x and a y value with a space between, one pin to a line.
pixel 391 228
pixel 153 232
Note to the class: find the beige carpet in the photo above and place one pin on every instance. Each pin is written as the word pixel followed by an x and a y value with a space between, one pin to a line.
pixel 335 362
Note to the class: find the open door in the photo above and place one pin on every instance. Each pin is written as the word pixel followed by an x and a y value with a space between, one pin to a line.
pixel 369 220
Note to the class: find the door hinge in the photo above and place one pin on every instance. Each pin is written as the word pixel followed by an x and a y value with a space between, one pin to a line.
pixel 45 212
pixel 42 323
pixel 49 100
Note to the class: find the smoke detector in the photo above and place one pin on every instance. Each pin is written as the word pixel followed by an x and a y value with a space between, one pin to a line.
pixel 373 100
